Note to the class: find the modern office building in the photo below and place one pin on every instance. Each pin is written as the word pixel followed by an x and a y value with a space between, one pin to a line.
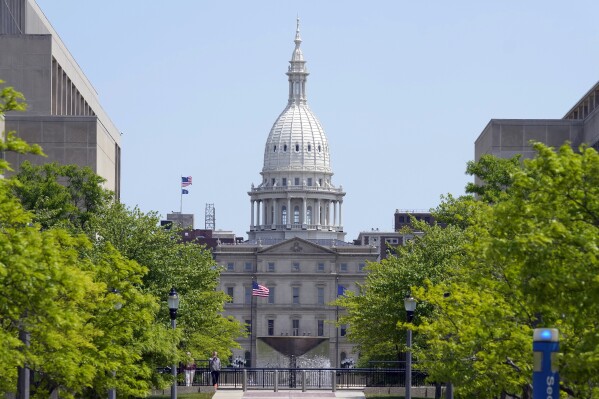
pixel 63 114
pixel 296 246
pixel 507 137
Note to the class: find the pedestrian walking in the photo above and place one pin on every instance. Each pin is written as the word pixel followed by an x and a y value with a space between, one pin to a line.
pixel 190 370
pixel 215 369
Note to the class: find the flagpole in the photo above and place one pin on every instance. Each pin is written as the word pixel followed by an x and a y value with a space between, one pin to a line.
pixel 252 346
pixel 181 189
pixel 337 326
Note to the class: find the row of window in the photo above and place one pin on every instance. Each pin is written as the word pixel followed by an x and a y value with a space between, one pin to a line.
pixel 294 295
pixel 295 330
pixel 297 147
pixel 296 181
pixel 295 267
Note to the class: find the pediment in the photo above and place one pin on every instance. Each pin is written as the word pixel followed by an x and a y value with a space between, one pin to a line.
pixel 296 246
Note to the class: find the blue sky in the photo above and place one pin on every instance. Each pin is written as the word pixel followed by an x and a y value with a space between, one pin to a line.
pixel 403 89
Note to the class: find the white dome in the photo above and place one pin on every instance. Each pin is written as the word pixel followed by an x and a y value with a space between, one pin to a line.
pixel 297 142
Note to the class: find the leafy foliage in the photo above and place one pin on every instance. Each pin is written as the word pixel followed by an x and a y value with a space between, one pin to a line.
pixel 60 195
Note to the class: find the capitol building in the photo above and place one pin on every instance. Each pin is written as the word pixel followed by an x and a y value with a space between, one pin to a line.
pixel 296 246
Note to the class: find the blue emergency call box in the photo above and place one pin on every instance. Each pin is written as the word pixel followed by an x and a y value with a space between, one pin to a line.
pixel 545 375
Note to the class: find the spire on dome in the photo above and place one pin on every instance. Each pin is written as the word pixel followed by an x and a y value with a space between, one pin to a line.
pixel 297 71
pixel 298 39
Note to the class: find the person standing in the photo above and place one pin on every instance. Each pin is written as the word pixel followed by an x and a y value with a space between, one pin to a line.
pixel 190 370
pixel 215 369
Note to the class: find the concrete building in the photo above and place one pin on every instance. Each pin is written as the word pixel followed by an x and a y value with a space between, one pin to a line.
pixel 296 246
pixel 63 115
pixel 507 137
pixel 383 241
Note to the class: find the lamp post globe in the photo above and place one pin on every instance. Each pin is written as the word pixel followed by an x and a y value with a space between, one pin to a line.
pixel 410 306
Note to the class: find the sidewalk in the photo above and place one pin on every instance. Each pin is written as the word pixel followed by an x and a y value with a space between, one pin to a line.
pixel 239 394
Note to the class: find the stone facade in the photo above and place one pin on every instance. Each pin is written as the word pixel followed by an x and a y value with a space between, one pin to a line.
pixel 508 137
pixel 63 114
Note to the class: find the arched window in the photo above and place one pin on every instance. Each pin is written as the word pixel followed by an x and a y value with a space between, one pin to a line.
pixel 296 214
pixel 309 147
pixel 275 149
pixel 284 215
pixel 296 147
pixel 309 215
pixel 318 147
pixel 285 148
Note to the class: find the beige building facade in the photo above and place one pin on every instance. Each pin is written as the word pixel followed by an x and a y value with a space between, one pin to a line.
pixel 63 115
pixel 296 246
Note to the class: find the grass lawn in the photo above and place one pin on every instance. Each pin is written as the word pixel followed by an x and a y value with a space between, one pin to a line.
pixel 196 395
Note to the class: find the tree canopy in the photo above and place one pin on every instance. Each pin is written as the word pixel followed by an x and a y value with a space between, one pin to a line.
pixel 526 258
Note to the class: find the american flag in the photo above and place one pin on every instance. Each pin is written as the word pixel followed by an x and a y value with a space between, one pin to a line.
pixel 259 290
pixel 184 191
pixel 185 181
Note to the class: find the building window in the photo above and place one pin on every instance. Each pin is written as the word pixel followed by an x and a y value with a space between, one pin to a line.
pixel 361 267
pixel 274 149
pixel 402 219
pixel 230 292
pixel 248 266
pixel 284 181
pixel 271 327
pixel 318 147
pixel 309 215
pixel 247 295
pixel 230 267
pixel 248 326
pixel 309 147
pixel 272 182
pixel 297 148
pixel 271 295
pixel 320 328
pixel 320 295
pixel 295 267
pixel 343 267
pixel 320 267
pixel 296 215
pixel 343 330
pixel 271 266
pixel 284 215
pixel 295 327
pixel 309 182
pixel 285 148
pixel 320 182
pixel 296 296
pixel 296 181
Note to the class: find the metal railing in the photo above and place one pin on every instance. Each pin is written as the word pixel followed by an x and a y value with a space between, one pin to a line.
pixel 312 379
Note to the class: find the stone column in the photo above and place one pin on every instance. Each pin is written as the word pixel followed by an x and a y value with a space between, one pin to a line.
pixel 275 213
pixel 340 214
pixel 264 212
pixel 258 208
pixel 317 213
pixel 289 211
pixel 304 202
pixel 334 213
pixel 252 207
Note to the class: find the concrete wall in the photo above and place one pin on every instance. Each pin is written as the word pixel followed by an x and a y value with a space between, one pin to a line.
pixel 507 137
pixel 26 65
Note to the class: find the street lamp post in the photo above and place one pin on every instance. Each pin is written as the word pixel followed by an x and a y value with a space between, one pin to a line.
pixel 410 305
pixel 173 305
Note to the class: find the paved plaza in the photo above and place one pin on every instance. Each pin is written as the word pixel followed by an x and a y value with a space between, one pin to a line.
pixel 239 394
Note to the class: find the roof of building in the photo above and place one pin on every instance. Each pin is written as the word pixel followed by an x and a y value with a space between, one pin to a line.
pixel 297 140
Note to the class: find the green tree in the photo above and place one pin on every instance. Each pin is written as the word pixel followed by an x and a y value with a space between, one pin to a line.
pixel 495 176
pixel 60 195
pixel 532 263
pixel 189 268
pixel 377 313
